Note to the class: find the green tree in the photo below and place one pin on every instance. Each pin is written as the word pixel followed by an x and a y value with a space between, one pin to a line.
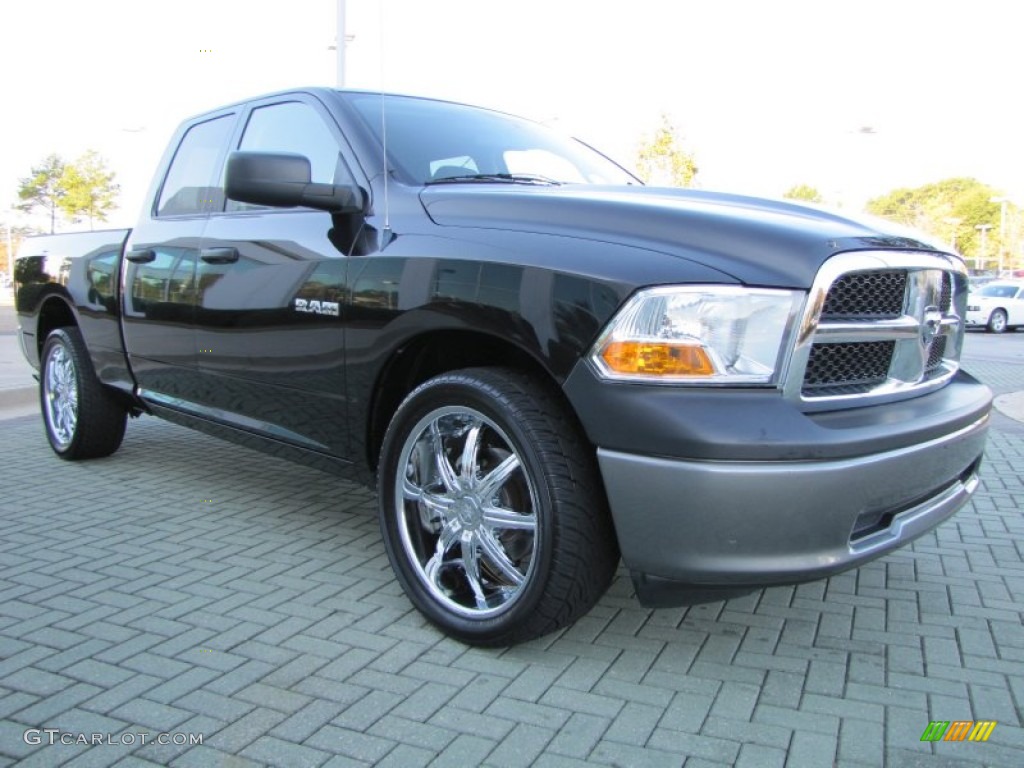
pixel 804 192
pixel 44 188
pixel 661 159
pixel 950 209
pixel 90 190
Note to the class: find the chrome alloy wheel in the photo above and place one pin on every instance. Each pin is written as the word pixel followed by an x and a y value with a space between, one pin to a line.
pixel 60 395
pixel 467 512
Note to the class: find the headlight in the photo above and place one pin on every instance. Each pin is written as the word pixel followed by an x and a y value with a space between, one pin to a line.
pixel 699 335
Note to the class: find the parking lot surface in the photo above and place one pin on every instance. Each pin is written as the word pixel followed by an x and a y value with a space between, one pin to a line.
pixel 196 589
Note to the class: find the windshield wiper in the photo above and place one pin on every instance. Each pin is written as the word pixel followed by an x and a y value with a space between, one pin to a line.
pixel 507 178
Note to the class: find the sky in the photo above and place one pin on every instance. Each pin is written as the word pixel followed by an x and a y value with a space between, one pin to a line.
pixel 854 97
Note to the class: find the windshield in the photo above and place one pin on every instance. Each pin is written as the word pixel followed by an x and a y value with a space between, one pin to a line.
pixel 439 142
pixel 998 291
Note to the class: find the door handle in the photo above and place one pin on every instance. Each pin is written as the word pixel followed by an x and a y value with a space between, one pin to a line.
pixel 219 255
pixel 141 256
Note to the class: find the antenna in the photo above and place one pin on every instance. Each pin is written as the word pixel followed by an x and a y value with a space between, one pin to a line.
pixel 386 234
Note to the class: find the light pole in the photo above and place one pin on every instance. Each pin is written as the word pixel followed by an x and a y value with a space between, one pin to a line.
pixel 341 43
pixel 1002 228
pixel 983 228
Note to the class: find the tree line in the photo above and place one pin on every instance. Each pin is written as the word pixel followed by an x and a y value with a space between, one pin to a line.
pixel 75 190
pixel 973 218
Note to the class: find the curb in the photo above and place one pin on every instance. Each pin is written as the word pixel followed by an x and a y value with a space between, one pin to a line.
pixel 15 403
pixel 1011 404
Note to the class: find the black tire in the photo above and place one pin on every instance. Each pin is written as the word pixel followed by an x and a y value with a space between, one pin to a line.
pixel 997 321
pixel 506 540
pixel 83 420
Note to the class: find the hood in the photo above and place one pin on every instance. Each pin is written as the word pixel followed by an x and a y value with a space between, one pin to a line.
pixel 756 241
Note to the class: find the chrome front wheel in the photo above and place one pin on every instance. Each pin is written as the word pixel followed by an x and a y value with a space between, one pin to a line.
pixel 491 508
pixel 466 510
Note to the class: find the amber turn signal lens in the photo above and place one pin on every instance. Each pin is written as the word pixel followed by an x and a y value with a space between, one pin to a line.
pixel 656 359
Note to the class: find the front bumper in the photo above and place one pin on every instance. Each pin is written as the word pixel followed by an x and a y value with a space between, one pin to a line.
pixel 731 526
pixel 715 491
pixel 975 318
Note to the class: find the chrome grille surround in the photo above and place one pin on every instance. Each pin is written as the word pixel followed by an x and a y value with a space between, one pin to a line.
pixel 925 336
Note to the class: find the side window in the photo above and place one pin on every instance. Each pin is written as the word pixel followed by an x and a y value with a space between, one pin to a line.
pixel 190 185
pixel 294 127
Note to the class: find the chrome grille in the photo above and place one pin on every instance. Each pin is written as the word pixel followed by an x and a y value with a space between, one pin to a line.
pixel 847 368
pixel 878 326
pixel 866 295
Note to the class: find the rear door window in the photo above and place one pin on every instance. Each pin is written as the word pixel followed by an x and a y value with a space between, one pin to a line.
pixel 191 185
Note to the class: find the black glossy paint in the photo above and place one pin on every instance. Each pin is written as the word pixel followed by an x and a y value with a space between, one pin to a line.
pixel 219 330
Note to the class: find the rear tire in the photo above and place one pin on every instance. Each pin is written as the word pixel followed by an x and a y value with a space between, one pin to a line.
pixel 492 509
pixel 82 418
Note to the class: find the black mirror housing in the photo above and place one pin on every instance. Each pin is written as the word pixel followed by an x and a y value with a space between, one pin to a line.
pixel 282 180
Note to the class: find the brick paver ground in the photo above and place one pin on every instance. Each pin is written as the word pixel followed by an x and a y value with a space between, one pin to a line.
pixel 191 587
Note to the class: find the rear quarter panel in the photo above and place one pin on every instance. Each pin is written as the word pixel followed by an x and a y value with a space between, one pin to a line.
pixel 76 276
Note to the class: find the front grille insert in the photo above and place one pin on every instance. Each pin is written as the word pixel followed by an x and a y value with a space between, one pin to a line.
pixel 847 368
pixel 936 352
pixel 866 295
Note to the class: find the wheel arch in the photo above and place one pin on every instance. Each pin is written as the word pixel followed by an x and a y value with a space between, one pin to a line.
pixel 56 311
pixel 431 354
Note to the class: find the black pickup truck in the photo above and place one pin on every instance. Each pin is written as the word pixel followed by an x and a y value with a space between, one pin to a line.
pixel 540 362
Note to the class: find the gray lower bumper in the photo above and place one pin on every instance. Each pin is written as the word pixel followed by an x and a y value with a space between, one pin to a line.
pixel 736 524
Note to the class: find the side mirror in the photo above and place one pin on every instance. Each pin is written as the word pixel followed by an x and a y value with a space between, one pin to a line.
pixel 283 181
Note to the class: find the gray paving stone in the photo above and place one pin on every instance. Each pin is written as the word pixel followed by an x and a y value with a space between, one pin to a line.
pixel 465 750
pixel 688 712
pixel 799 721
pixel 758 756
pixel 811 749
pixel 12 739
pixel 747 732
pixel 527 712
pixel 151 714
pixel 244 731
pixel 37 682
pixel 332 739
pixel 579 735
pixel 863 742
pixel 205 756
pixel 281 598
pixel 367 710
pixel 403 730
pixel 273 751
pixel 521 747
pixel 49 707
pixel 479 694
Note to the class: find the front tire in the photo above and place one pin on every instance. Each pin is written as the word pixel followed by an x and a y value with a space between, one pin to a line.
pixel 491 508
pixel 82 418
pixel 997 321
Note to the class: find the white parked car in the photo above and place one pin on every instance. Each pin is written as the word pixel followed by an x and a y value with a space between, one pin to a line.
pixel 997 306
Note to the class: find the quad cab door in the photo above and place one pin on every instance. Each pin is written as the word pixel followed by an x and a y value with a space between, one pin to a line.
pixel 270 285
pixel 158 301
